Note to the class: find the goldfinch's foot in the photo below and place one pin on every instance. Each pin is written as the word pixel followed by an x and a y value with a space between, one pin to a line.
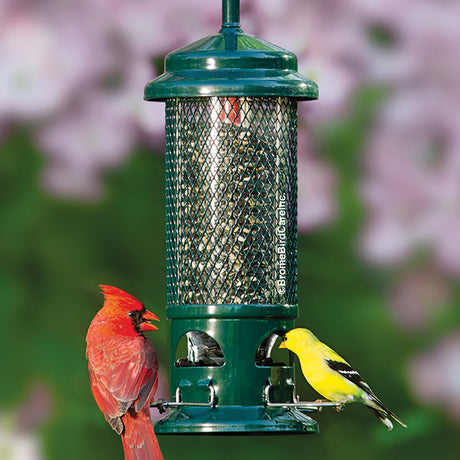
pixel 320 401
pixel 340 405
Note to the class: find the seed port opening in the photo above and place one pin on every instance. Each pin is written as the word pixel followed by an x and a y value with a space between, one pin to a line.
pixel 198 349
pixel 268 353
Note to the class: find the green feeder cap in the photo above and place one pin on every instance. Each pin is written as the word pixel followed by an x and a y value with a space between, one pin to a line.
pixel 231 63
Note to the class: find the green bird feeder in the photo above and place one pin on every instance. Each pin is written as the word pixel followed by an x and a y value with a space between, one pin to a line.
pixel 231 231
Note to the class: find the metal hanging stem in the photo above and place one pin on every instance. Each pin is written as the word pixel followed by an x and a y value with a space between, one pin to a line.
pixel 230 13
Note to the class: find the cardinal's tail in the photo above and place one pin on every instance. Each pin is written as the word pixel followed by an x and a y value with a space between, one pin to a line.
pixel 139 440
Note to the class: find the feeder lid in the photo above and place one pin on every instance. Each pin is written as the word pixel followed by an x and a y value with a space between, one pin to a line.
pixel 231 63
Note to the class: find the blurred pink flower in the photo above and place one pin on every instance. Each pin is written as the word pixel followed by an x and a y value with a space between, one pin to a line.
pixel 45 54
pixel 412 185
pixel 418 297
pixel 83 143
pixel 412 164
pixel 148 116
pixel 18 445
pixel 435 375
pixel 57 57
pixel 35 75
pixel 146 28
pixel 37 407
pixel 19 438
pixel 448 245
pixel 325 36
pixel 316 188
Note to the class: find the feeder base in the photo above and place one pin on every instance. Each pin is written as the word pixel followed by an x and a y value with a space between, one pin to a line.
pixel 235 420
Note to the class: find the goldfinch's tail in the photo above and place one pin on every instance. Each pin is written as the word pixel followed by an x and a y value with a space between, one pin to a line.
pixel 382 416
pixel 382 413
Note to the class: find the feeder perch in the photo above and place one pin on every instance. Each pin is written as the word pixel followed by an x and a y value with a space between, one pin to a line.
pixel 231 230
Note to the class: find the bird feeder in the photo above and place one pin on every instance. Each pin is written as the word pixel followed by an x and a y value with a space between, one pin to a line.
pixel 231 230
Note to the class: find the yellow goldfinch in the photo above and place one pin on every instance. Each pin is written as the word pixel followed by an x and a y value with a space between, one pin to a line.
pixel 331 376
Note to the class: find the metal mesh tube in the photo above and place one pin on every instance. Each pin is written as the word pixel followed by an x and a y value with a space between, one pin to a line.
pixel 231 200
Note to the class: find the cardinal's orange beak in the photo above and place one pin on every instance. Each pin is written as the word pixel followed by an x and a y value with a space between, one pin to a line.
pixel 146 318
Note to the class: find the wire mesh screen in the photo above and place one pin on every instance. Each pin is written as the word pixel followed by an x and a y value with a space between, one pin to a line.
pixel 231 201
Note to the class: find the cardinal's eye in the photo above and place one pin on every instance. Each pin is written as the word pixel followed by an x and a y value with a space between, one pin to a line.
pixel 131 313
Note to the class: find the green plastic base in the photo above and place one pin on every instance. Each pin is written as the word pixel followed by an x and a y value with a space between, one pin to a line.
pixel 243 383
pixel 235 420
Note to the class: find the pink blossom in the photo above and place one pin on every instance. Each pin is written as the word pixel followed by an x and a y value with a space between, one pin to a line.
pixel 435 375
pixel 418 297
pixel 146 28
pixel 325 37
pixel 97 135
pixel 148 116
pixel 43 59
pixel 19 438
pixel 412 183
pixel 59 56
pixel 412 176
pixel 316 188
pixel 18 445
pixel 448 245
pixel 34 77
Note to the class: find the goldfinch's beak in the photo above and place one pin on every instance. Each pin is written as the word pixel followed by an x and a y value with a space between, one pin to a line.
pixel 283 343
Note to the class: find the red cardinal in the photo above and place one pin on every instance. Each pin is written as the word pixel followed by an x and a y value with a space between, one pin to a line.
pixel 123 370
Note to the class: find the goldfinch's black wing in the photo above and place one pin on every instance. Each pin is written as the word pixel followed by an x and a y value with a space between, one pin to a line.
pixel 371 400
pixel 349 373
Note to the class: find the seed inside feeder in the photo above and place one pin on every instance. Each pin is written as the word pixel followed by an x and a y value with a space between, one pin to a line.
pixel 227 182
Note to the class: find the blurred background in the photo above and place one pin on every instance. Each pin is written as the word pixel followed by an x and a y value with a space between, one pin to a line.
pixel 81 203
